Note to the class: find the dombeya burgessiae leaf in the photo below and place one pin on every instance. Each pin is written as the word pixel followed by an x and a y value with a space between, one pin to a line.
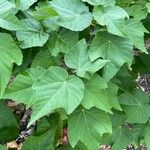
pixel 99 94
pixel 121 135
pixel 11 22
pixel 78 59
pixel 114 48
pixel 60 90
pixel 9 128
pixel 6 6
pixel 34 36
pixel 23 4
pixel 94 124
pixel 133 30
pixel 108 15
pixel 137 104
pixel 21 89
pixel 101 2
pixel 9 54
pixel 71 12
pixel 56 89
pixel 62 41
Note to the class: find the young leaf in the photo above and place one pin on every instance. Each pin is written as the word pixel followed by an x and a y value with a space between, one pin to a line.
pixel 56 89
pixel 101 2
pixel 71 12
pixel 9 54
pixel 137 104
pixel 34 36
pixel 94 124
pixel 78 59
pixel 114 48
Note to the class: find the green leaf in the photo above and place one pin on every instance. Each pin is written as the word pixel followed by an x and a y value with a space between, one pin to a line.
pixel 21 89
pixel 3 147
pixel 133 30
pixel 10 22
pixel 9 128
pixel 109 15
pixel 137 104
pixel 23 4
pixel 94 124
pixel 147 137
pixel 101 2
pixel 45 59
pixel 6 6
pixel 43 12
pixel 56 89
pixel 9 54
pixel 79 146
pixel 122 135
pixel 71 12
pixel 46 91
pixel 148 7
pixel 98 94
pixel 44 138
pixel 78 59
pixel 34 36
pixel 137 11
pixel 114 48
pixel 51 23
pixel 121 138
pixel 62 41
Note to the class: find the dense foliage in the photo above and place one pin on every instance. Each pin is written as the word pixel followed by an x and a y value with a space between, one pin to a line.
pixel 75 63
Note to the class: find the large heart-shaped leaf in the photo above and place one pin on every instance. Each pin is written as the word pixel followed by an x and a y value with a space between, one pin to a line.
pixel 56 89
pixel 71 12
pixel 114 48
